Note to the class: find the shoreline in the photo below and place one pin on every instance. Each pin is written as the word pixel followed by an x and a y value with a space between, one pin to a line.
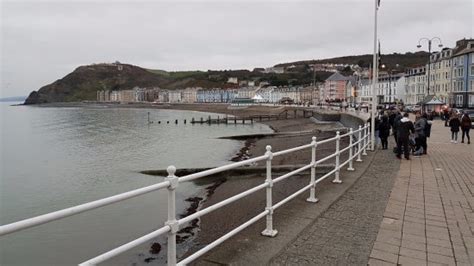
pixel 299 131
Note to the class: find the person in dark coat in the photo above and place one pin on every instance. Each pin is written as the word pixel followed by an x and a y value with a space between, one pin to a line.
pixel 454 124
pixel 384 128
pixel 420 125
pixel 396 123
pixel 404 129
pixel 466 124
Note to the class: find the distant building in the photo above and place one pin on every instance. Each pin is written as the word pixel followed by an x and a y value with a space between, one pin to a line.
pixel 276 70
pixel 163 96
pixel 415 85
pixel 189 95
pixel 175 96
pixel 462 95
pixel 334 88
pixel 115 96
pixel 126 96
pixel 139 94
pixel 391 89
pixel 246 92
pixel 233 80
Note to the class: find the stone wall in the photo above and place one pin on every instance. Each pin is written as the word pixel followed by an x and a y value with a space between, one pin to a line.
pixel 347 119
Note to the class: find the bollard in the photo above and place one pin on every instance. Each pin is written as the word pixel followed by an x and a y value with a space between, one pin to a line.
pixel 359 145
pixel 218 120
pixel 269 231
pixel 159 122
pixel 366 139
pixel 176 121
pixel 350 168
pixel 192 120
pixel 312 192
pixel 209 120
pixel 167 122
pixel 337 180
pixel 184 121
pixel 172 222
pixel 201 120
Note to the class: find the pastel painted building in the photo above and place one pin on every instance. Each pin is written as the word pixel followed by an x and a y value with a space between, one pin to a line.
pixel 440 74
pixel 334 88
pixel 462 95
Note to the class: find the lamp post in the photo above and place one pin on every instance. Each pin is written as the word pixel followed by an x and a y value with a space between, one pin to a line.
pixel 374 80
pixel 429 55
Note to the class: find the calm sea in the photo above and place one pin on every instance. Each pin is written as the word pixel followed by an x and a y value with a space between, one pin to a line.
pixel 53 158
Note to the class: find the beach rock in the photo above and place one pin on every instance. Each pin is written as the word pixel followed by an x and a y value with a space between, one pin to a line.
pixel 155 248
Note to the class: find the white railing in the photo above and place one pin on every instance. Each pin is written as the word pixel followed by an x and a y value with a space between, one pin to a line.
pixel 355 150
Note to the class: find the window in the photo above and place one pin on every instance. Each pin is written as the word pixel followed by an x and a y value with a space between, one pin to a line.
pixel 471 85
pixel 471 100
pixel 472 70
pixel 459 100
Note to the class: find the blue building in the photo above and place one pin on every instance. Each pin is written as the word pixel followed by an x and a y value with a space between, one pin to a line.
pixel 462 94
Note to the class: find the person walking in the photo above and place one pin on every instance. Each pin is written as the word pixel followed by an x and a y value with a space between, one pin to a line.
pixel 404 129
pixel 384 131
pixel 466 124
pixel 454 124
pixel 396 123
pixel 420 133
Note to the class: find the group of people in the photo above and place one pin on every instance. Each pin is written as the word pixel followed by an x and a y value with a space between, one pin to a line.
pixel 410 138
pixel 464 123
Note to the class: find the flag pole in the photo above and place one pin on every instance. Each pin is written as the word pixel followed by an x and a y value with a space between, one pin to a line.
pixel 374 80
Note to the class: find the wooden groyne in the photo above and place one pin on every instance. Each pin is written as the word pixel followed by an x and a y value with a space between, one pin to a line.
pixel 287 114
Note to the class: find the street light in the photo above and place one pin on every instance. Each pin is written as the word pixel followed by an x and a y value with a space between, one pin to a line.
pixel 429 54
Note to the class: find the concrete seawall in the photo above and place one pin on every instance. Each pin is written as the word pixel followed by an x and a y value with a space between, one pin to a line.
pixel 349 119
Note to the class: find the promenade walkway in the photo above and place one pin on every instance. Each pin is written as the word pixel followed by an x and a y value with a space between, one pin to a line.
pixel 429 219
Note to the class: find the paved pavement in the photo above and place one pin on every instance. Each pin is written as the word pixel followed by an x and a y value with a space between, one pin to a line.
pixel 345 232
pixel 429 218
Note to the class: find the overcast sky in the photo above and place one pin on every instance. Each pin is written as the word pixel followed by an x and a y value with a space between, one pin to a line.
pixel 42 41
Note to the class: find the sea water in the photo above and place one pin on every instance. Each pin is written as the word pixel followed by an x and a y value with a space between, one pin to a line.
pixel 54 158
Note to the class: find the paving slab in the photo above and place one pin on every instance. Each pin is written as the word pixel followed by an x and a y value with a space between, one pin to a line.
pixel 436 193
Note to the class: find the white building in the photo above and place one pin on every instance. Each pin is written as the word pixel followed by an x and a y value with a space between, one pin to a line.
pixel 233 80
pixel 364 91
pixel 391 89
pixel 175 96
pixel 415 85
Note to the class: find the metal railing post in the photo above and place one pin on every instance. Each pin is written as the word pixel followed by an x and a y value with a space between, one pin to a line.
pixel 351 135
pixel 366 139
pixel 337 180
pixel 312 192
pixel 269 231
pixel 172 222
pixel 359 145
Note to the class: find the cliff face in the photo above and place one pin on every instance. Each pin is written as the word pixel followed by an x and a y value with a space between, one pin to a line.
pixel 85 81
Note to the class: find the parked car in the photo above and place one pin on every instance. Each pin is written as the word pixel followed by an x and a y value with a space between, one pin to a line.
pixel 408 108
pixel 416 108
